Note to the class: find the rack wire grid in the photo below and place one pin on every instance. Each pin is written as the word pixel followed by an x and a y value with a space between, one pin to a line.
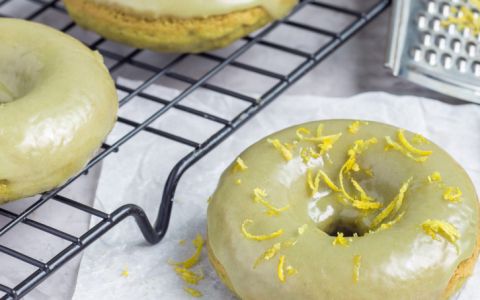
pixel 118 57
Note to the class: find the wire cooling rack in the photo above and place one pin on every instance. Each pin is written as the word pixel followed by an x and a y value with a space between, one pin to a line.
pixel 120 57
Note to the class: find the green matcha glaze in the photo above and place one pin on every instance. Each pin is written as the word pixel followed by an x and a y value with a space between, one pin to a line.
pixel 57 104
pixel 401 262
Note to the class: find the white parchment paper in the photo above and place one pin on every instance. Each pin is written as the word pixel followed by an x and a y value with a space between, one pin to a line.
pixel 137 173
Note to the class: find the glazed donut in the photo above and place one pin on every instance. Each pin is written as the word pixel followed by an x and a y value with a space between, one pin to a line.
pixel 176 26
pixel 344 210
pixel 57 104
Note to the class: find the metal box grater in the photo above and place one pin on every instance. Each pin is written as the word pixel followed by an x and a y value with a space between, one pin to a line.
pixel 444 58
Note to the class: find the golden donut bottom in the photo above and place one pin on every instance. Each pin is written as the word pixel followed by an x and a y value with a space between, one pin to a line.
pixel 166 34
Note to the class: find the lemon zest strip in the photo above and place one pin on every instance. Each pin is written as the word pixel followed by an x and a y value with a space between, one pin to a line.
pixel 188 276
pixel 198 243
pixel 345 168
pixel 445 229
pixel 366 205
pixel 452 194
pixel 314 184
pixel 340 240
pixel 357 260
pixel 259 196
pixel 281 273
pixel 363 194
pixel 354 127
pixel 301 132
pixel 287 155
pixel 406 144
pixel 435 177
pixel 262 237
pixel 305 135
pixel 327 142
pixel 240 165
pixel 391 223
pixel 394 206
pixel 419 139
pixel 268 254
pixel 193 292
pixel 399 148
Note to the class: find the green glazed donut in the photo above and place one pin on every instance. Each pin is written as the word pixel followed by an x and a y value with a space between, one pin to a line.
pixel 57 104
pixel 344 209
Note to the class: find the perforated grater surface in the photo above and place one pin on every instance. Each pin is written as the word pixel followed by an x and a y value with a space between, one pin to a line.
pixel 439 56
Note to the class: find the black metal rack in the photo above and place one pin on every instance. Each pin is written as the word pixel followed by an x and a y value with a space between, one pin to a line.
pixel 308 59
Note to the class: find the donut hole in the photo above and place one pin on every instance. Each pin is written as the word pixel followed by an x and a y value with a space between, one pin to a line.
pixel 347 227
pixel 19 71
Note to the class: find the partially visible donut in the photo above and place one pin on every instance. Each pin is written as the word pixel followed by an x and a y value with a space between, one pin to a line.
pixel 176 26
pixel 344 209
pixel 57 104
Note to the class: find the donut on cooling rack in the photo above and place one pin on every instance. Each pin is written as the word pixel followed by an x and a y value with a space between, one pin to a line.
pixel 344 210
pixel 176 26
pixel 57 104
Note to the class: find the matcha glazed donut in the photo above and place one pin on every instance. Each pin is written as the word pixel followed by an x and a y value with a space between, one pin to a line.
pixel 344 209
pixel 179 25
pixel 57 104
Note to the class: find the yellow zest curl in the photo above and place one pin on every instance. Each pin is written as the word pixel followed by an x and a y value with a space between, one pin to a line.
pixel 284 151
pixel 403 140
pixel 268 254
pixel 435 177
pixel 302 132
pixel 188 276
pixel 239 166
pixel 396 146
pixel 445 229
pixel 263 237
pixel 366 205
pixel 419 139
pixel 281 273
pixel 340 240
pixel 327 142
pixel 452 194
pixel 391 223
pixel 193 292
pixel 198 243
pixel 394 206
pixel 363 194
pixel 308 153
pixel 259 196
pixel 347 166
pixel 354 127
pixel 314 184
pixel 357 260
